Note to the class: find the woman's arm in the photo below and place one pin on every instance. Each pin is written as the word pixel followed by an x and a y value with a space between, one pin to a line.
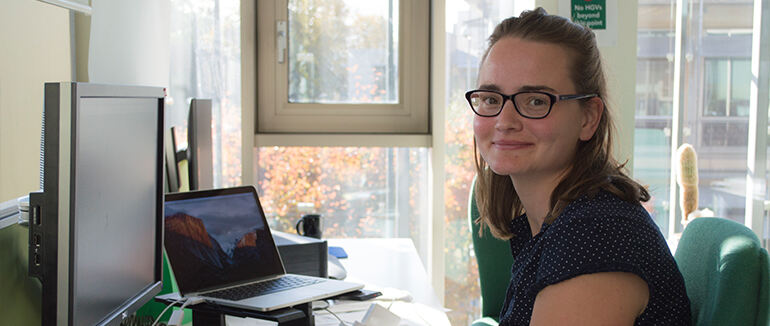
pixel 611 298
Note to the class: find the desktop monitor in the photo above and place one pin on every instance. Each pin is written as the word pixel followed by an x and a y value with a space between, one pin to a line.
pixel 172 167
pixel 96 227
pixel 199 145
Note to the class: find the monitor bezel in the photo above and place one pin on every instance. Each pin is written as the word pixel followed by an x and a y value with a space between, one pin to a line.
pixel 199 145
pixel 57 201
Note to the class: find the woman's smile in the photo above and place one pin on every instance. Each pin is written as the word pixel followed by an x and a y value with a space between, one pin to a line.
pixel 511 144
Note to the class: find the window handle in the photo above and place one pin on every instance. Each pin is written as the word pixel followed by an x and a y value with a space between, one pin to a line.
pixel 281 38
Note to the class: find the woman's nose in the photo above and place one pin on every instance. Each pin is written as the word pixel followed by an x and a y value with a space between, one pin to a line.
pixel 508 118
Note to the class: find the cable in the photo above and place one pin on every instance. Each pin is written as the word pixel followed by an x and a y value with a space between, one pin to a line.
pixel 342 322
pixel 390 304
pixel 192 301
pixel 328 304
pixel 177 317
pixel 164 310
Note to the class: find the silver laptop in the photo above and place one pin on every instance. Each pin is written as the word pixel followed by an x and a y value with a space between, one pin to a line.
pixel 220 248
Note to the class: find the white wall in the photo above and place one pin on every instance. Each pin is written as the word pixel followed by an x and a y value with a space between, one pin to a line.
pixel 35 40
pixel 129 43
pixel 620 67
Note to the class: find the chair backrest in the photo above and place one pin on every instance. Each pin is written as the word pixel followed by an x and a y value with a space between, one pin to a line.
pixel 725 270
pixel 494 259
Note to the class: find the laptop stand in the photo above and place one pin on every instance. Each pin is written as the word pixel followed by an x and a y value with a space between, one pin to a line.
pixel 206 313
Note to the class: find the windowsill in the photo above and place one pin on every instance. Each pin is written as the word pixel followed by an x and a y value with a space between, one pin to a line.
pixel 342 140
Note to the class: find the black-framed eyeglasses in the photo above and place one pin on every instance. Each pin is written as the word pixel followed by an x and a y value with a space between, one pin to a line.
pixel 529 104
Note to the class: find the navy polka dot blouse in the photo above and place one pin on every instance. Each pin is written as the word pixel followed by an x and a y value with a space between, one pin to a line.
pixel 595 234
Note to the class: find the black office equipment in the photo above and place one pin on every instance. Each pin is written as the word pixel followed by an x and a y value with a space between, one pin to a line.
pixel 95 230
pixel 359 295
pixel 172 166
pixel 199 145
pixel 302 255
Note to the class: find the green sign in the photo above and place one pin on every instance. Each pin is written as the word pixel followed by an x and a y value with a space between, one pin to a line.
pixel 591 13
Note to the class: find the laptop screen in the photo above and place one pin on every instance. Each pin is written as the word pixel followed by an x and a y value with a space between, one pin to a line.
pixel 216 238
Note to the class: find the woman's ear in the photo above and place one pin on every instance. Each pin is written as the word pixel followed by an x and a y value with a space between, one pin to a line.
pixel 592 114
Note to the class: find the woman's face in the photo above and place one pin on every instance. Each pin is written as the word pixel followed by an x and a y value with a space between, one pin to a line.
pixel 513 145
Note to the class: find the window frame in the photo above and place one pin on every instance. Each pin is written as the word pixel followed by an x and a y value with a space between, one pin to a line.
pixel 274 113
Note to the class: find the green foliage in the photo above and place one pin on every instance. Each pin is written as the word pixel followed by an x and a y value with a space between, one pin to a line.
pixel 318 52
pixel 346 185
pixel 338 55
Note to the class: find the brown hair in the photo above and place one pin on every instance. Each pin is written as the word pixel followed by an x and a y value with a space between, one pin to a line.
pixel 593 167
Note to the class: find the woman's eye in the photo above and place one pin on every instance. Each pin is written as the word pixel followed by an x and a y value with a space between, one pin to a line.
pixel 535 101
pixel 490 100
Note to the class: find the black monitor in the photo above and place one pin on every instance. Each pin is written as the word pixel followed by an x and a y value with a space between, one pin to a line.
pixel 199 145
pixel 172 166
pixel 96 228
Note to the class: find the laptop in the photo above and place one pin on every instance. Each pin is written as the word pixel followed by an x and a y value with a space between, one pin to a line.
pixel 220 248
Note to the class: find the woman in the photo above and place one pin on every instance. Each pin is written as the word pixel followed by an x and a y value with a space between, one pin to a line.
pixel 585 251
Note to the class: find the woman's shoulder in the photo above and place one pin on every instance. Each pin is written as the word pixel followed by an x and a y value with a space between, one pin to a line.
pixel 604 215
pixel 603 205
pixel 601 233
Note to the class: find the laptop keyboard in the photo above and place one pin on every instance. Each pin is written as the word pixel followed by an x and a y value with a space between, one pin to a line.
pixel 262 288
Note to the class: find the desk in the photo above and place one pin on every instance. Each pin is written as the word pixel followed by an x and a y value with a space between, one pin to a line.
pixel 387 263
pixel 391 263
pixel 380 264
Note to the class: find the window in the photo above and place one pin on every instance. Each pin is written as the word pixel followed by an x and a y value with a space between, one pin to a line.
pixel 344 70
pixel 343 66
pixel 206 63
pixel 654 104
pixel 726 87
pixel 714 110
pixel 360 192
pixel 342 124
pixel 654 95
pixel 468 25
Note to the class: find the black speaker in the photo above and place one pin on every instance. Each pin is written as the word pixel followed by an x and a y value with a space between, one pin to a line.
pixel 302 255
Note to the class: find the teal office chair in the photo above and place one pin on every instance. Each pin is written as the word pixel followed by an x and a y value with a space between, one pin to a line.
pixel 725 272
pixel 494 260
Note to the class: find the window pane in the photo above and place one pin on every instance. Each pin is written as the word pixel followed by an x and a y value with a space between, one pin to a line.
pixel 360 192
pixel 654 91
pixel 468 25
pixel 740 77
pixel 652 161
pixel 654 105
pixel 766 233
pixel 716 88
pixel 714 114
pixel 725 133
pixel 205 52
pixel 722 32
pixel 343 51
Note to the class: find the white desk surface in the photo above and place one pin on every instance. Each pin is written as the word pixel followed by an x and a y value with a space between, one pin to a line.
pixel 387 263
